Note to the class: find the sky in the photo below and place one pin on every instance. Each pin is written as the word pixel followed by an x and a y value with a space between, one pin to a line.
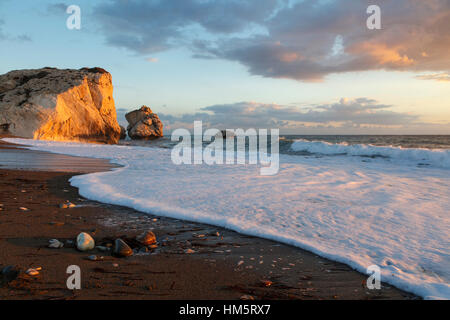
pixel 303 66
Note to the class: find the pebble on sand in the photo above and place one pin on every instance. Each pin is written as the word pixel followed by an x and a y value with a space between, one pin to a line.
pixel 56 223
pixel 85 242
pixel 94 257
pixel 147 238
pixel 121 249
pixel 67 205
pixel 266 283
pixel 55 244
pixel 8 270
pixel 33 271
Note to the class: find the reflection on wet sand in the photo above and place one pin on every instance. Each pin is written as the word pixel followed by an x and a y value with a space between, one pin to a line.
pixel 16 158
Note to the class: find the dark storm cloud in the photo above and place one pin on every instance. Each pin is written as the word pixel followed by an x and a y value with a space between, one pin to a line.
pixel 297 41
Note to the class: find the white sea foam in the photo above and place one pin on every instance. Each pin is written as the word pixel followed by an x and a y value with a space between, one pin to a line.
pixel 359 213
pixel 434 157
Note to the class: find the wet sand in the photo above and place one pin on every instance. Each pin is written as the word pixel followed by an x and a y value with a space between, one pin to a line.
pixel 223 265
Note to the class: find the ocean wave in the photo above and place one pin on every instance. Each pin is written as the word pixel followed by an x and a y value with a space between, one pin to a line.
pixel 432 157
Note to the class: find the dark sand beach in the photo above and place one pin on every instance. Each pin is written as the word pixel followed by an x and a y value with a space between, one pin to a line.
pixel 223 265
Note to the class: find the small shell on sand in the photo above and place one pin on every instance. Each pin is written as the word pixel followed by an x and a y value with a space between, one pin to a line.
pixel 85 242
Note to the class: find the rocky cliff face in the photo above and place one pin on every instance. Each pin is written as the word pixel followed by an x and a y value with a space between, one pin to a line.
pixel 53 104
pixel 143 124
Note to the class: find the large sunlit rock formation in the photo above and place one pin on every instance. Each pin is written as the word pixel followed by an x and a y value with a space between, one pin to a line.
pixel 143 124
pixel 54 104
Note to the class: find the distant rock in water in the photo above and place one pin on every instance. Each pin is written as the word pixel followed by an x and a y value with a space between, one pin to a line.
pixel 144 124
pixel 54 104
pixel 225 134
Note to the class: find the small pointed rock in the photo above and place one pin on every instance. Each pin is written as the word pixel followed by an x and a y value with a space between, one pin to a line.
pixel 85 242
pixel 147 238
pixel 121 249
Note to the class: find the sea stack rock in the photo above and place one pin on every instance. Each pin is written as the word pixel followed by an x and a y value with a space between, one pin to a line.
pixel 144 124
pixel 54 104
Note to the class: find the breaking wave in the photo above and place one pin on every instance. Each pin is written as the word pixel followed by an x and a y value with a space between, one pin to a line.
pixel 430 157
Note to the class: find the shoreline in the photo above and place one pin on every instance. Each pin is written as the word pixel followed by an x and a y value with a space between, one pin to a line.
pixel 214 271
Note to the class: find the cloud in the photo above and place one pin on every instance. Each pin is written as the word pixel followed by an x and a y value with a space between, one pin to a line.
pixel 441 77
pixel 303 40
pixel 151 59
pixel 347 113
pixel 8 37
pixel 57 8
pixel 2 35
pixel 153 26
